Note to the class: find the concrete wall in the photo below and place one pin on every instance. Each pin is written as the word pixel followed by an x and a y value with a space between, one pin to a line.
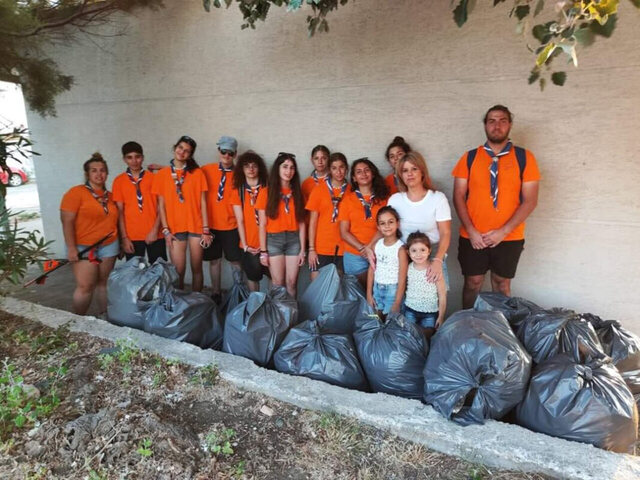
pixel 386 68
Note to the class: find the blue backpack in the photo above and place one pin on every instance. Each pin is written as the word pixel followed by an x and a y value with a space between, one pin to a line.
pixel 521 156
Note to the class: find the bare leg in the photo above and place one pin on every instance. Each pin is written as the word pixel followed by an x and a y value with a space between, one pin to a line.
pixel 104 269
pixel 195 254
pixel 277 269
pixel 178 256
pixel 253 286
pixel 291 274
pixel 501 284
pixel 472 286
pixel 86 274
pixel 314 275
pixel 362 279
pixel 215 272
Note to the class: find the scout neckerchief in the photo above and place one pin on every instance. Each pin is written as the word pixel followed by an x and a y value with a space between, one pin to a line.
pixel 223 179
pixel 136 183
pixel 365 204
pixel 335 200
pixel 395 180
pixel 315 177
pixel 101 199
pixel 253 197
pixel 493 170
pixel 286 199
pixel 178 181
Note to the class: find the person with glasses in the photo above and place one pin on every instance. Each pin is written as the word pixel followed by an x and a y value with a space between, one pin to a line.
pixel 222 219
pixel 249 186
pixel 320 161
pixel 282 229
pixel 357 217
pixel 182 204
pixel 88 214
pixel 325 243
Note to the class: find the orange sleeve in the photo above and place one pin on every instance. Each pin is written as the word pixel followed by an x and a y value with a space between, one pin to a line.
pixel 116 189
pixel 313 204
pixel 71 201
pixel 461 170
pixel 261 201
pixel 234 197
pixel 531 172
pixel 345 208
pixel 390 182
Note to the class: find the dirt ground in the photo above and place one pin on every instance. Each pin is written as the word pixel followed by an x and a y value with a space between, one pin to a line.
pixel 76 407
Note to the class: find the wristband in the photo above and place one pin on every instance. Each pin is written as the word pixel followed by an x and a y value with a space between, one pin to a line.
pixel 246 247
pixel 438 259
pixel 166 232
pixel 362 248
pixel 264 254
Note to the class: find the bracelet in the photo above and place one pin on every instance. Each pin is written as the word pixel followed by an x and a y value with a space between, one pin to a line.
pixel 206 230
pixel 264 254
pixel 246 247
pixel 362 248
pixel 436 258
pixel 206 233
pixel 166 232
pixel 312 249
pixel 264 251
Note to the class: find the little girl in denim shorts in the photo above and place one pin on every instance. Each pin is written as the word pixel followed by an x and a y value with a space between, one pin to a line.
pixel 425 301
pixel 386 283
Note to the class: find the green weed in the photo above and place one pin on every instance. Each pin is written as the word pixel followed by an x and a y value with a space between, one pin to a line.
pixel 144 447
pixel 219 443
pixel 125 355
pixel 238 469
pixel 207 375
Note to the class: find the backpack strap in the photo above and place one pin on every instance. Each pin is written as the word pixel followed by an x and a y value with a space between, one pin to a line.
pixel 471 156
pixel 521 156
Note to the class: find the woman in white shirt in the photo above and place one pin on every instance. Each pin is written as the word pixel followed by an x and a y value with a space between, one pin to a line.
pixel 423 209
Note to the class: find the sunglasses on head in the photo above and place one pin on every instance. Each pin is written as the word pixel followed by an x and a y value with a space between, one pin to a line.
pixel 227 152
pixel 285 154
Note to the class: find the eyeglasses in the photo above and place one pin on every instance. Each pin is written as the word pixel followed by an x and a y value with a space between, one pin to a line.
pixel 250 166
pixel 285 154
pixel 231 153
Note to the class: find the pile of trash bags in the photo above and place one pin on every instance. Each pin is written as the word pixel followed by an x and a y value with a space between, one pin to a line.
pixel 554 371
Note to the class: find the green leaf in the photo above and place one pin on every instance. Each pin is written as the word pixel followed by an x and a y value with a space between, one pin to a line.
pixel 20 420
pixel 540 7
pixel 496 2
pixel 522 11
pixel 542 32
pixel 558 78
pixel 584 36
pixel 207 5
pixel 461 12
pixel 570 50
pixel 543 83
pixel 636 3
pixel 545 54
pixel 607 29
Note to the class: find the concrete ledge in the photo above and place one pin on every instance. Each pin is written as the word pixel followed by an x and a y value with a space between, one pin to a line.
pixel 494 444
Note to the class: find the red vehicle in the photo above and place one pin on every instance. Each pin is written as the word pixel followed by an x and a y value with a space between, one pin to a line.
pixel 14 178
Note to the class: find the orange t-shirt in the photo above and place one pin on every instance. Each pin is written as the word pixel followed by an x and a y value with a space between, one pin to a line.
pixel 181 216
pixel 389 180
pixel 479 203
pixel 251 227
pixel 327 232
pixel 284 222
pixel 91 223
pixel 138 223
pixel 220 213
pixel 308 185
pixel 351 210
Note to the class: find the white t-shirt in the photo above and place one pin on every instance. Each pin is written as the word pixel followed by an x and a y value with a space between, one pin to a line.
pixel 421 215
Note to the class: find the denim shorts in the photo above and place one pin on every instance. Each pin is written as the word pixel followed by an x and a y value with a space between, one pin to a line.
pixel 384 296
pixel 424 319
pixel 103 251
pixel 182 236
pixel 283 243
pixel 354 264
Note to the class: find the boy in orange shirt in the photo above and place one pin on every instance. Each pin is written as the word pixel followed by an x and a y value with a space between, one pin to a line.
pixel 139 222
pixel 221 216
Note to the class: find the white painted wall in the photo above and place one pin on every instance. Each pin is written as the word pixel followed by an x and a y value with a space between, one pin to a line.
pixel 387 67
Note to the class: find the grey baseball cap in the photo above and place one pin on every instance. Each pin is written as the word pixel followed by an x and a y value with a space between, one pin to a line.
pixel 228 143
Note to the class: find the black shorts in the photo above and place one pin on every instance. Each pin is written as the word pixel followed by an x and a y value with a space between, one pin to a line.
pixel 155 250
pixel 324 260
pixel 227 240
pixel 252 267
pixel 501 259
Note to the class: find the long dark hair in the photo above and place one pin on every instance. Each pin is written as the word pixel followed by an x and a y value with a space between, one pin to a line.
pixel 273 196
pixel 397 142
pixel 378 187
pixel 191 164
pixel 238 171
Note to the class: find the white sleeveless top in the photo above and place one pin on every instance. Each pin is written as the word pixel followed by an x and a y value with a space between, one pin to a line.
pixel 387 264
pixel 421 295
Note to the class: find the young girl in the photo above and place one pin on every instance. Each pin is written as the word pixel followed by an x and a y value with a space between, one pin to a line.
pixel 386 283
pixel 282 229
pixel 426 301
pixel 182 206
pixel 320 160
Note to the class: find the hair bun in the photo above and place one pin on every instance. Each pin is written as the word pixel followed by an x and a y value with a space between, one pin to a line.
pixel 398 139
pixel 97 156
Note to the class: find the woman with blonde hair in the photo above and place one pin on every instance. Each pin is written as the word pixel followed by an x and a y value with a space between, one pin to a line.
pixel 424 209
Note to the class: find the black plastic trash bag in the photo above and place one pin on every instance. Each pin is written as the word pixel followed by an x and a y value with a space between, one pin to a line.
pixel 255 328
pixel 546 333
pixel 587 403
pixel 393 354
pixel 188 317
pixel 339 300
pixel 237 294
pixel 330 357
pixel 515 309
pixel 622 346
pixel 134 286
pixel 476 368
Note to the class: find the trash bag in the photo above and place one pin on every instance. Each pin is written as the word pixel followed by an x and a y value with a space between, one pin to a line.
pixel 255 328
pixel 393 354
pixel 188 317
pixel 515 309
pixel 546 333
pixel 134 286
pixel 339 300
pixel 476 368
pixel 237 294
pixel 622 346
pixel 587 403
pixel 329 357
